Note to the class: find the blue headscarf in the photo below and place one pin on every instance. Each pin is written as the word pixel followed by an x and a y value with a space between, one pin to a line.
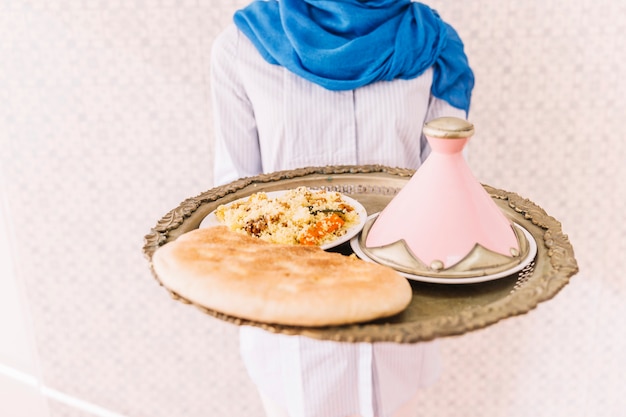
pixel 346 44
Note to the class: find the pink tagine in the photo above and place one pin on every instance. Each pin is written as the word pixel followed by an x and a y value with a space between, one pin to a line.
pixel 443 212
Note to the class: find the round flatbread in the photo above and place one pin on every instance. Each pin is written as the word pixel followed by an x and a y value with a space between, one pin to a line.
pixel 245 277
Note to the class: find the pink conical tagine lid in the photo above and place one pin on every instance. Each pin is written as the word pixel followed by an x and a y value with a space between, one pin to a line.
pixel 443 222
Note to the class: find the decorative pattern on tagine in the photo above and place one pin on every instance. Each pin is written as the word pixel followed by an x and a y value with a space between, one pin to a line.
pixel 480 261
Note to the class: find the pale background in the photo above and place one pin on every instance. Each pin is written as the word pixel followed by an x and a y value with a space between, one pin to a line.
pixel 105 125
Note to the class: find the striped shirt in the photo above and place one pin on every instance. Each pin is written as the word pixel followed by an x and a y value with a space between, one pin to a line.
pixel 268 119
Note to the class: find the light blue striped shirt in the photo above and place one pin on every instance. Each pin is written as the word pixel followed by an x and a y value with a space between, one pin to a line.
pixel 268 119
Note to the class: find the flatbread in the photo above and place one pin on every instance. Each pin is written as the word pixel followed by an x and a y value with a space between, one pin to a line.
pixel 246 277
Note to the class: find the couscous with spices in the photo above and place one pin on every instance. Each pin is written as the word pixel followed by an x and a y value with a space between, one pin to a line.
pixel 299 216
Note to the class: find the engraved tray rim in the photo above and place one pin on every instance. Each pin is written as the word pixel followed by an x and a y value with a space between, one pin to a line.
pixel 555 262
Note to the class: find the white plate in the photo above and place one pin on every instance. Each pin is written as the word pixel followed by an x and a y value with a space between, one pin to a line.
pixel 532 252
pixel 211 218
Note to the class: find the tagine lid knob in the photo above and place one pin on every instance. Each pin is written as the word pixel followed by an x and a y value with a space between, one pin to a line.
pixel 448 128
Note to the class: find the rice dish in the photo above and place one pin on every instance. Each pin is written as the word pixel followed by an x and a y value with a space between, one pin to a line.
pixel 299 216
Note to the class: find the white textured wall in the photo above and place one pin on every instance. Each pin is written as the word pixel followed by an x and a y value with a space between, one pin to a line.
pixel 105 125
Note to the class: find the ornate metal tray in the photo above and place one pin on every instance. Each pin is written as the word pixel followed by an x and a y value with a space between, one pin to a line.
pixel 437 310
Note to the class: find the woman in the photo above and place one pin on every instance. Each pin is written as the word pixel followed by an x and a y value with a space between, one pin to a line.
pixel 300 83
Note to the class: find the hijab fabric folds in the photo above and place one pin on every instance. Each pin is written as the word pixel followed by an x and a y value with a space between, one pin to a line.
pixel 346 44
